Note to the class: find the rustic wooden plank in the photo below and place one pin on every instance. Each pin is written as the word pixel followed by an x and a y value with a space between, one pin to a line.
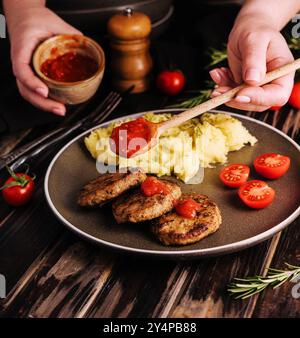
pixel 61 282
pixel 135 289
pixel 205 290
pixel 264 269
pixel 139 288
pixel 280 302
pixel 23 237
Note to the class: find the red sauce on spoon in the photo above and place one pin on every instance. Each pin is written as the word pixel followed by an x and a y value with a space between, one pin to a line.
pixel 130 137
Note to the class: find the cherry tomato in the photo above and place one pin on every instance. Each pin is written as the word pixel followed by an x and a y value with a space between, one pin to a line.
pixel 235 175
pixel 170 82
pixel 152 186
pixel 256 194
pixel 18 189
pixel 187 208
pixel 272 165
pixel 294 99
pixel 275 108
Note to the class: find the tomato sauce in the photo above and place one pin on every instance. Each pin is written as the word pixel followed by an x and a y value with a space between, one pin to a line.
pixel 187 208
pixel 130 137
pixel 69 67
pixel 152 186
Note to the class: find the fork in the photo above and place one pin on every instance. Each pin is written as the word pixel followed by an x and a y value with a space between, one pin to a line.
pixel 32 149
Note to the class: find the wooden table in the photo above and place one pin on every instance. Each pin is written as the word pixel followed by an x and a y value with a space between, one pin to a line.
pixel 52 273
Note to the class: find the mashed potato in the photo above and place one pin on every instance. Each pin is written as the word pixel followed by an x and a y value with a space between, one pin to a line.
pixel 236 134
pixel 181 150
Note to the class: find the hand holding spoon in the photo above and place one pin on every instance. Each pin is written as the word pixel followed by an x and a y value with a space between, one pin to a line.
pixel 152 131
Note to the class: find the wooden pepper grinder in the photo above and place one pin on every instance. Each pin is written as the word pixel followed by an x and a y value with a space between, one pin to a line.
pixel 131 63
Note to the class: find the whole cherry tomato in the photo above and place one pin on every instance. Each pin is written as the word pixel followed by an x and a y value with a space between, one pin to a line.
pixel 275 108
pixel 18 189
pixel 294 99
pixel 170 82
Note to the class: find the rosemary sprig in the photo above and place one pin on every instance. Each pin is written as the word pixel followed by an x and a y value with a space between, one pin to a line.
pixel 216 55
pixel 201 96
pixel 242 288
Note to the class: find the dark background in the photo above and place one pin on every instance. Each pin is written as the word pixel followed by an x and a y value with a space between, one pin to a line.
pixel 183 45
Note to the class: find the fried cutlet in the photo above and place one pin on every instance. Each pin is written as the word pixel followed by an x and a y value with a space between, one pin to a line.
pixel 108 186
pixel 173 229
pixel 136 207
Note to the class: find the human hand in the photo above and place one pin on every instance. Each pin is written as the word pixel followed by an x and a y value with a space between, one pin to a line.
pixel 252 50
pixel 27 30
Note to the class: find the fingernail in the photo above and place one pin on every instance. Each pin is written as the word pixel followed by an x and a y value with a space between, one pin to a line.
pixel 42 91
pixel 215 75
pixel 215 93
pixel 58 111
pixel 243 99
pixel 252 75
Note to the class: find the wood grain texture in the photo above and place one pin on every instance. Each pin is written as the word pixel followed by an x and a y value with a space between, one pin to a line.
pixel 61 282
pixel 280 302
pixel 205 293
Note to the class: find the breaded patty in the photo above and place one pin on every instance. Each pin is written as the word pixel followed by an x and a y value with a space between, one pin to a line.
pixel 136 207
pixel 173 229
pixel 108 186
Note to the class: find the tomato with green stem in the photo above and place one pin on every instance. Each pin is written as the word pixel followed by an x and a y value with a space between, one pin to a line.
pixel 18 189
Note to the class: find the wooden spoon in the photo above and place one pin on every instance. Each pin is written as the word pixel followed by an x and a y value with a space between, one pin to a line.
pixel 156 129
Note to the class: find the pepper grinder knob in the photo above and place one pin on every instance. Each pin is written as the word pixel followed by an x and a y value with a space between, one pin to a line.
pixel 128 11
pixel 131 63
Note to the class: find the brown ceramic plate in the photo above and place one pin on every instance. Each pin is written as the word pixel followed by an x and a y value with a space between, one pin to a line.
pixel 242 227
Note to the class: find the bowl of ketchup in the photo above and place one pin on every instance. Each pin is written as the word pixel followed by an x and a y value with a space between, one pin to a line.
pixel 72 66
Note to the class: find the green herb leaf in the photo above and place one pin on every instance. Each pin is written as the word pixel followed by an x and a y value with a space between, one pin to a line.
pixel 242 288
pixel 200 97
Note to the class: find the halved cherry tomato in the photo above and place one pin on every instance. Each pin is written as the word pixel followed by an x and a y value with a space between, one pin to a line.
pixel 235 175
pixel 256 194
pixel 187 208
pixel 272 165
pixel 152 186
pixel 294 99
pixel 18 189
